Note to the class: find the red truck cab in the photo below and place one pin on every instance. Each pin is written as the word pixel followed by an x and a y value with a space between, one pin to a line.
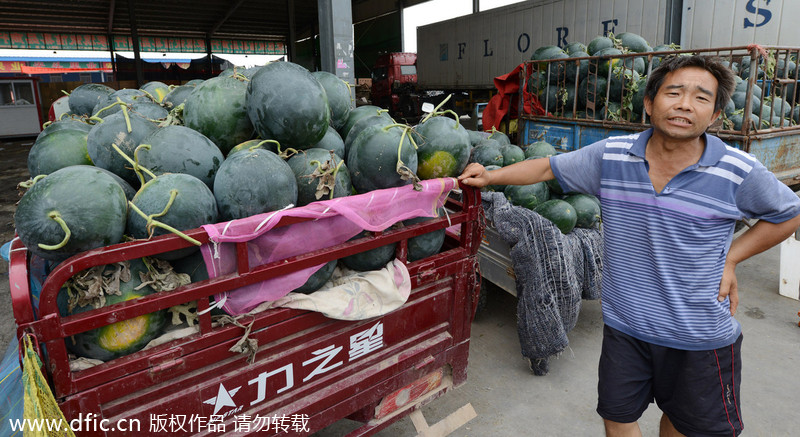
pixel 394 80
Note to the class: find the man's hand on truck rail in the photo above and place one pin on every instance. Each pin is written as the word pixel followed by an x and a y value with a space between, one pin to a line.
pixel 525 172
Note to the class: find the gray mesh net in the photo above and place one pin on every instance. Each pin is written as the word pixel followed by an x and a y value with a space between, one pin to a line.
pixel 553 273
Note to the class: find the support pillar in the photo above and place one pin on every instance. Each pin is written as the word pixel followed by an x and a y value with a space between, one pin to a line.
pixel 336 39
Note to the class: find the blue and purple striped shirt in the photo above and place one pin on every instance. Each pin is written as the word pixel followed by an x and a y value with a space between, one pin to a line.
pixel 664 252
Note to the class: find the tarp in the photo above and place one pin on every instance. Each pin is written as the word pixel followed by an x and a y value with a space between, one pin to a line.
pixel 506 101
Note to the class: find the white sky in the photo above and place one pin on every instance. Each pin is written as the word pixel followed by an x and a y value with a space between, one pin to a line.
pixel 439 10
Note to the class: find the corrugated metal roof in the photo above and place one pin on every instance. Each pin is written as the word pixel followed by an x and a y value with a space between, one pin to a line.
pixel 239 19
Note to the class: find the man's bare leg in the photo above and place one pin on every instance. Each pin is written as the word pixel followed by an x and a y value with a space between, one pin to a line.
pixel 617 429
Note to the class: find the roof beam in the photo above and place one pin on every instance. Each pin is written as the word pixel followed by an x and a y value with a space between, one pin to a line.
pixel 225 18
pixel 111 16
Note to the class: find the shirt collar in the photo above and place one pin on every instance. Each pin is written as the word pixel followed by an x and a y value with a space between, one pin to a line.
pixel 714 151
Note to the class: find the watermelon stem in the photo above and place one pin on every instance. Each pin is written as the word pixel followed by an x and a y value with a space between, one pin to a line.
pixel 436 109
pixel 127 118
pixel 151 222
pixel 118 102
pixel 30 182
pixel 56 216
pixel 136 168
pixel 266 141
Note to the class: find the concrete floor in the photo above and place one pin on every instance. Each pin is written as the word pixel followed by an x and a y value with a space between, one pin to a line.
pixel 511 401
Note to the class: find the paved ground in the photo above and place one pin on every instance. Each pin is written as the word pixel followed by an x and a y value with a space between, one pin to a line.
pixel 511 401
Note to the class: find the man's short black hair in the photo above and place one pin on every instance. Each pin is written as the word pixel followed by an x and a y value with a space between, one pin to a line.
pixel 724 76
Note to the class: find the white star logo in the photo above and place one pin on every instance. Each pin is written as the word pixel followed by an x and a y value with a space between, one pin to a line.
pixel 224 398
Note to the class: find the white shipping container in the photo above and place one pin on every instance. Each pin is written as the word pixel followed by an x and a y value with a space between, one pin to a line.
pixel 727 23
pixel 468 52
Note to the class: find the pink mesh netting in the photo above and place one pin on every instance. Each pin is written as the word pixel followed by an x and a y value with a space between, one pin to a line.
pixel 335 221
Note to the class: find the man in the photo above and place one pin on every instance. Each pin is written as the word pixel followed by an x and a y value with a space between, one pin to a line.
pixel 670 198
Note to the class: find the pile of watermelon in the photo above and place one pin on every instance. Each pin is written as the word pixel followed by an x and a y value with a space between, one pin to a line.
pixel 566 210
pixel 135 163
pixel 569 82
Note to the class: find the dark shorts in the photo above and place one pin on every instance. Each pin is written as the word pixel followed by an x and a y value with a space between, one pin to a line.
pixel 697 390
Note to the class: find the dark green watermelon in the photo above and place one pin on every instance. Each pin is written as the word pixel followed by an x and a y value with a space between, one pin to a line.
pixel 611 61
pixel 331 141
pixel 587 209
pixel 554 186
pixel 339 97
pixel 527 196
pixel 66 123
pixel 216 109
pixel 320 175
pixel 125 336
pixel 193 205
pixel 511 154
pixel 475 137
pixel 253 181
pixel 373 259
pixel 83 99
pixel 540 148
pixel 104 107
pixel 561 213
pixel 634 42
pixel 381 118
pixel 249 144
pixel 497 188
pixel 575 47
pixel 487 153
pixel 59 148
pixel 373 159
pixel 286 103
pixel 425 245
pixel 91 204
pixel 599 43
pixel 178 149
pixel 177 96
pixel 357 114
pixel 318 279
pixel 114 131
pixel 443 148
pixel 157 90
pixel 596 84
pixel 126 187
pixel 500 137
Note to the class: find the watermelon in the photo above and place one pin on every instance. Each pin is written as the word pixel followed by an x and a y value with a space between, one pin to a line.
pixel 475 137
pixel 596 84
pixel 575 47
pixel 178 149
pixel 739 100
pixel 527 196
pixel 587 209
pixel 114 131
pixel 540 149
pixel 582 70
pixel 443 148
pixel 381 118
pixel 561 213
pixel 318 279
pixel 181 202
pixel 373 259
pixel 634 42
pixel 58 148
pixel 125 336
pixel 511 154
pixel 331 141
pixel 487 153
pixel 554 186
pixel 140 103
pixel 604 65
pixel 599 43
pixel 66 123
pixel 425 245
pixel 357 114
pixel 252 182
pixel 339 97
pixel 249 144
pixel 500 137
pixel 320 175
pixel 90 203
pixel 178 95
pixel 126 187
pixel 157 90
pixel 216 109
pixel 192 265
pixel 382 157
pixel 83 99
pixel 286 103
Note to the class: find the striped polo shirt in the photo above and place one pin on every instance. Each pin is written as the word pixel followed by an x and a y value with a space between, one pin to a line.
pixel 664 252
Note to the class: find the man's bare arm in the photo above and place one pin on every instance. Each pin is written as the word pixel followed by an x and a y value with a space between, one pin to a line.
pixel 522 173
pixel 759 238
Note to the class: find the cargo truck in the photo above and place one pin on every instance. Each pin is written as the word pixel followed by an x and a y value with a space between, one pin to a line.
pixel 463 55
pixel 308 370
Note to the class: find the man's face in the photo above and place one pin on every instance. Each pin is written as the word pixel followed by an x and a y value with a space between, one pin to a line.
pixel 684 105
